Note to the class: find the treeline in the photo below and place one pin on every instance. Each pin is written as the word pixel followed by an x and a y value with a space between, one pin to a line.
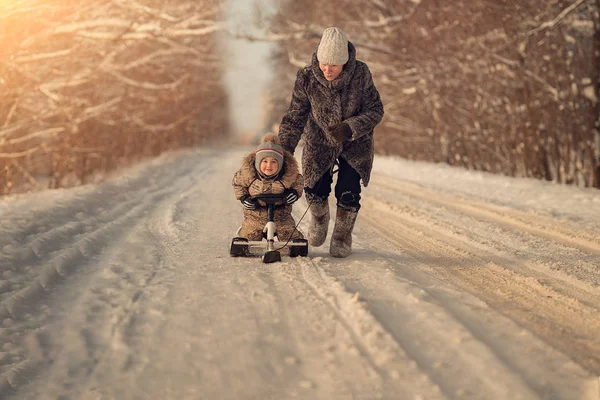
pixel 508 87
pixel 91 85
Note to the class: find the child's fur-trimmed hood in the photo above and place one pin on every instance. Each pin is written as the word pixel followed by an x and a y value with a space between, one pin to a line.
pixel 288 174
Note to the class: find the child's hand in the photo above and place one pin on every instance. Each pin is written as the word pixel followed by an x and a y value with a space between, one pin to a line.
pixel 248 202
pixel 290 196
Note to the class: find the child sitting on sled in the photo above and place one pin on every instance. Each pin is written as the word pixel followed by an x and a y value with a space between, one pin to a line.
pixel 268 170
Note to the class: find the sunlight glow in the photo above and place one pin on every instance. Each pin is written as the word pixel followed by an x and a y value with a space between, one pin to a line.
pixel 5 3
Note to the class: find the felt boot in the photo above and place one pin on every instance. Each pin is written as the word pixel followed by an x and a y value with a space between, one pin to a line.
pixel 341 238
pixel 319 221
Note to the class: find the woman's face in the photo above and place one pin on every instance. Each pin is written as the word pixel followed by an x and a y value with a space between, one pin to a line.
pixel 331 72
pixel 269 166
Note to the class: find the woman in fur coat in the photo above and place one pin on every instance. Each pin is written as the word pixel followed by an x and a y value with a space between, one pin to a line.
pixel 336 106
pixel 268 170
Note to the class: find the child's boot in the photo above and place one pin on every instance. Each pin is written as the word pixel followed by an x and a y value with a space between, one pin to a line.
pixel 341 238
pixel 319 220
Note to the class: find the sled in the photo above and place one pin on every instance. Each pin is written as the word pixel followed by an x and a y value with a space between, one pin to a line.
pixel 270 248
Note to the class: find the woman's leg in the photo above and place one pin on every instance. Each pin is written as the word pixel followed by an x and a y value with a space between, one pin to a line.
pixel 347 188
pixel 347 192
pixel 321 189
pixel 318 205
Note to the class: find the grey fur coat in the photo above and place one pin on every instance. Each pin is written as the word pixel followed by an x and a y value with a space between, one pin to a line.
pixel 317 104
pixel 246 181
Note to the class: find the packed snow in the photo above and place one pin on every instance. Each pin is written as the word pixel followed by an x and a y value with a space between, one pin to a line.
pixel 462 285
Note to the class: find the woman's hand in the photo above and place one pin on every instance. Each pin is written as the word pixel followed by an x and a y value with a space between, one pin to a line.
pixel 340 132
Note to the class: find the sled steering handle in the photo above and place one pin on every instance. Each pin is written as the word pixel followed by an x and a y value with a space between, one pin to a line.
pixel 269 198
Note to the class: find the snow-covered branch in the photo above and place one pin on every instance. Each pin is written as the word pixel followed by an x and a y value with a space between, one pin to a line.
pixel 161 127
pixel 21 154
pixel 34 135
pixel 42 56
pixel 551 24
pixel 295 61
pixel 148 85
pixel 384 21
pixel 131 31
pixel 310 33
pixel 141 8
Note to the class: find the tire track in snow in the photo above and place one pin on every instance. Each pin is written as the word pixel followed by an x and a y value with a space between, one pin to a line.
pixel 306 338
pixel 399 372
pixel 130 320
pixel 277 327
pixel 59 249
pixel 19 306
pixel 563 321
pixel 80 204
pixel 503 248
pixel 501 216
pixel 64 261
pixel 99 233
pixel 466 347
pixel 457 360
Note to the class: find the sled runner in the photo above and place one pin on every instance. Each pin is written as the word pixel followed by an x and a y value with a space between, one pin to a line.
pixel 268 249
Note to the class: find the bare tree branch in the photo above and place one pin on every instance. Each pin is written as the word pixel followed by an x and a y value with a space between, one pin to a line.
pixel 161 128
pixel 92 112
pixel 134 5
pixel 35 135
pixel 42 56
pixel 30 178
pixel 148 85
pixel 559 17
pixel 308 34
pixel 134 31
pixel 21 154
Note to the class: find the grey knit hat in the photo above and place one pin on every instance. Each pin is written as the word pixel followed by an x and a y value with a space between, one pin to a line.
pixel 269 147
pixel 333 48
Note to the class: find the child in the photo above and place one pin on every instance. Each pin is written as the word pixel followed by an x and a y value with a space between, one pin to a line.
pixel 268 170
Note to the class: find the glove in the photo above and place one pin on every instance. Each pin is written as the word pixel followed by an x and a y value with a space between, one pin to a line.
pixel 248 202
pixel 290 196
pixel 340 132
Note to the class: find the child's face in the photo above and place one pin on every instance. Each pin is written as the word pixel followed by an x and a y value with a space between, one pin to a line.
pixel 269 166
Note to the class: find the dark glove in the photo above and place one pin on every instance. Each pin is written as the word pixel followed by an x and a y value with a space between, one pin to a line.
pixel 290 196
pixel 249 203
pixel 340 132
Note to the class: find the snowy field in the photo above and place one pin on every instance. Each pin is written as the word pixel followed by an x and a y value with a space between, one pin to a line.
pixel 462 285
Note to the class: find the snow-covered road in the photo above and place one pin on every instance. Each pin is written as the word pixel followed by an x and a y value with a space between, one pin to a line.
pixel 462 285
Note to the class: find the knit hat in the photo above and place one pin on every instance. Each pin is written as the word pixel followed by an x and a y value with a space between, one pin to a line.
pixel 333 48
pixel 269 147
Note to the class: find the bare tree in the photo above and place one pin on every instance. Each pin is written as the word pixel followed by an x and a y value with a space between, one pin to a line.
pixel 93 85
